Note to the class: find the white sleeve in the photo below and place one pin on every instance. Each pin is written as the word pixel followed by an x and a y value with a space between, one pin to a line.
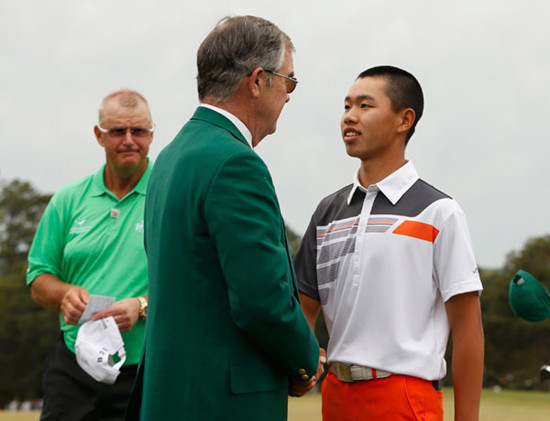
pixel 455 267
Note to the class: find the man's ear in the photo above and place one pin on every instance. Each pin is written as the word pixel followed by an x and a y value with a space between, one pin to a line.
pixel 98 135
pixel 256 82
pixel 408 117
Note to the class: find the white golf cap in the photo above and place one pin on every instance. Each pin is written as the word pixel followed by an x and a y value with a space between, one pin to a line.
pixel 100 349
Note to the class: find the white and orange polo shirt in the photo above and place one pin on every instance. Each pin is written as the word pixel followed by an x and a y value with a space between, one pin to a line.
pixel 382 261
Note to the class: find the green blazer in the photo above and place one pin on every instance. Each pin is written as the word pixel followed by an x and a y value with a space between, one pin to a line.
pixel 225 331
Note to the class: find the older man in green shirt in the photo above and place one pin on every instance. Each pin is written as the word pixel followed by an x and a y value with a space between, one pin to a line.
pixel 90 241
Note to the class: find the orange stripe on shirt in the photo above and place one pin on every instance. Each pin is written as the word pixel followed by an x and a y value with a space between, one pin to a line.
pixel 418 230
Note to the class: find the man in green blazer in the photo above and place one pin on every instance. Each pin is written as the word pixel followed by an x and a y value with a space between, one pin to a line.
pixel 226 338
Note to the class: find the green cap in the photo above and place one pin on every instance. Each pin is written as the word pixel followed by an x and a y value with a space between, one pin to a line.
pixel 528 298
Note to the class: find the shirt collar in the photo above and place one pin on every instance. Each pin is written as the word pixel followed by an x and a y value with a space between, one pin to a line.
pixel 238 123
pixel 98 181
pixel 393 186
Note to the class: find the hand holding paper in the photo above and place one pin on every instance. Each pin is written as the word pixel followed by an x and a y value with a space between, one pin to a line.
pixel 95 303
pixel 125 313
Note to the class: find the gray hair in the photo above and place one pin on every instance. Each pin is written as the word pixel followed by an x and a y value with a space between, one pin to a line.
pixel 234 48
pixel 127 98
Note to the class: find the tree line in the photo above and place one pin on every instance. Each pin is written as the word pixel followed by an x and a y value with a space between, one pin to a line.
pixel 514 349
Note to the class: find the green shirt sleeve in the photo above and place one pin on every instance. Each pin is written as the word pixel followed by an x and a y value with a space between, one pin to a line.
pixel 46 252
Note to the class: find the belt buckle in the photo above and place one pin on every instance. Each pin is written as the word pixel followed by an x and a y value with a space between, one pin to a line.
pixel 343 372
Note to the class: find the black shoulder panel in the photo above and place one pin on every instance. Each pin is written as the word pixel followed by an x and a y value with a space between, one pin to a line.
pixel 412 203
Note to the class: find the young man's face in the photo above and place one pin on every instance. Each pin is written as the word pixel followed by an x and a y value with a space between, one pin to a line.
pixel 369 124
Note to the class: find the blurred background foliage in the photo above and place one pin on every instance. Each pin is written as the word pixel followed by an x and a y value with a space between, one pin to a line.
pixel 27 332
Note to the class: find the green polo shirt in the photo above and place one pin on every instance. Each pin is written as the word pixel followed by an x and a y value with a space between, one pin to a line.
pixel 88 237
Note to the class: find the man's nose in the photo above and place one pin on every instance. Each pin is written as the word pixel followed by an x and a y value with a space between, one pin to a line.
pixel 128 136
pixel 350 116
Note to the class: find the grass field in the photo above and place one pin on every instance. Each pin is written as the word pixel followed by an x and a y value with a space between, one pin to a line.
pixel 503 406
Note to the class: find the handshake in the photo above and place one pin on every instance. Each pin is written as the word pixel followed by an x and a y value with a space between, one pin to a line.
pixel 300 388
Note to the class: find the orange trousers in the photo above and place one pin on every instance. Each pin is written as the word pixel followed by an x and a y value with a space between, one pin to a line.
pixel 394 398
